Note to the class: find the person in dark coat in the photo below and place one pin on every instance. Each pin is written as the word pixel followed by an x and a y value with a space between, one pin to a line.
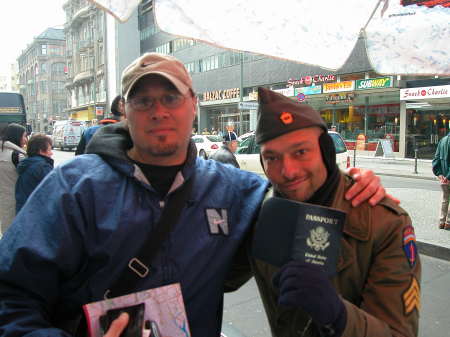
pixel 117 110
pixel 441 169
pixel 33 169
pixel 226 153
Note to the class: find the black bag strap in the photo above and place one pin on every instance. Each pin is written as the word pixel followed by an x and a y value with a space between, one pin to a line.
pixel 138 267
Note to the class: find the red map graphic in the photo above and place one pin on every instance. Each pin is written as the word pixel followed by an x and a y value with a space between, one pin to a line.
pixel 427 3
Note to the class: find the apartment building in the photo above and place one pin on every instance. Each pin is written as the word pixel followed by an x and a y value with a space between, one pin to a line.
pixel 42 79
pixel 86 67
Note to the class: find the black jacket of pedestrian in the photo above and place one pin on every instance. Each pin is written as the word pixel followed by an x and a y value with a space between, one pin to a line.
pixel 32 171
pixel 224 155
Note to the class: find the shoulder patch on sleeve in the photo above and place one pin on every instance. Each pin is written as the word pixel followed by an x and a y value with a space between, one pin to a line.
pixel 409 245
pixel 411 297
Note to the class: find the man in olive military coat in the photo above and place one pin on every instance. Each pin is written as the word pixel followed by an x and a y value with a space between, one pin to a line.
pixel 376 290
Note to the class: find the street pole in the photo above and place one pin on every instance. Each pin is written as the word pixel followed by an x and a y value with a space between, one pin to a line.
pixel 241 93
pixel 415 156
pixel 366 122
pixel 93 63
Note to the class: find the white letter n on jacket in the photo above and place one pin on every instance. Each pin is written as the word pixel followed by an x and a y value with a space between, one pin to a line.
pixel 218 222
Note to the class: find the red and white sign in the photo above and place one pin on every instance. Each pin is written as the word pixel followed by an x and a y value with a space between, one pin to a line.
pixel 440 91
pixel 308 80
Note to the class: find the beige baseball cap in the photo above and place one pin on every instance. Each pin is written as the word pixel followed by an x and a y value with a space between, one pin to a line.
pixel 158 64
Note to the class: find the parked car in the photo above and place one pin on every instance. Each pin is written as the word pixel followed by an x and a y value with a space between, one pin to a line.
pixel 247 153
pixel 245 136
pixel 207 144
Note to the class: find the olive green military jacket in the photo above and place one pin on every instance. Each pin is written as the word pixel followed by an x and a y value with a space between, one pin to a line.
pixel 378 282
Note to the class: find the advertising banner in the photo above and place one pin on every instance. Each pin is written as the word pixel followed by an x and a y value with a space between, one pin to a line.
pixel 375 83
pixel 289 92
pixel 338 86
pixel 313 90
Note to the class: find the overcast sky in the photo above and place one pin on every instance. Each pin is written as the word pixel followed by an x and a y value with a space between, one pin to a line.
pixel 21 21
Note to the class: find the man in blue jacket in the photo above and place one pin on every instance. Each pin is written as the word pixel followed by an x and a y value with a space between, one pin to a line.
pixel 86 221
pixel 33 169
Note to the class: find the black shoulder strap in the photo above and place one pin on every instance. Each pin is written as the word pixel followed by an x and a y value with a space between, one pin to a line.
pixel 138 267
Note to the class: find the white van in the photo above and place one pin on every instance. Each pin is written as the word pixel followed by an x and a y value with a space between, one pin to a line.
pixel 67 134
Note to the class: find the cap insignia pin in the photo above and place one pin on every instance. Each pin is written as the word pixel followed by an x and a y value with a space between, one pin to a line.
pixel 286 118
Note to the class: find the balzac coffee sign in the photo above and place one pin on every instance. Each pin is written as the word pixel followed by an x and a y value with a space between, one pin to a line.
pixel 308 80
pixel 218 95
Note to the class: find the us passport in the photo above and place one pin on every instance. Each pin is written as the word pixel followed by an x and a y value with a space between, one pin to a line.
pixel 288 230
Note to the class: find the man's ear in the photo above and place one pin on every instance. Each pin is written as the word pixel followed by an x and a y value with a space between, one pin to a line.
pixel 194 104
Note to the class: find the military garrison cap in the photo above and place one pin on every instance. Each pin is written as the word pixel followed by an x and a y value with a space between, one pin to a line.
pixel 278 114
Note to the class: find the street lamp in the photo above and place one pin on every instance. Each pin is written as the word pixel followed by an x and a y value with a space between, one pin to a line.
pixel 241 93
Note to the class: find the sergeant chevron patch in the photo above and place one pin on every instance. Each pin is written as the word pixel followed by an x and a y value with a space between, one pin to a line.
pixel 411 297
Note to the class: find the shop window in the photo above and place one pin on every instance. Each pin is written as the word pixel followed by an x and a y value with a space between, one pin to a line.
pixel 374 122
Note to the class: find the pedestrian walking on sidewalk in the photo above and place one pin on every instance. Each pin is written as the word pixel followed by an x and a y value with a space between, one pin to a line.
pixel 440 166
pixel 226 153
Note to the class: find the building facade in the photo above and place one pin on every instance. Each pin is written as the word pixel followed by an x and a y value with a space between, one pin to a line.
pixel 4 83
pixel 42 78
pixel 365 107
pixel 86 78
pixel 14 72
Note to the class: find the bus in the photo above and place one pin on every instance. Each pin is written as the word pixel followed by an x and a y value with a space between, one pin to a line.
pixel 12 110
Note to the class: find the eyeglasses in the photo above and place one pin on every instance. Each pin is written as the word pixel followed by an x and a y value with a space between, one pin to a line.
pixel 171 101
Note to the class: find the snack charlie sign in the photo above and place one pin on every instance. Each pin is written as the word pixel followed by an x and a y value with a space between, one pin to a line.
pixel 441 91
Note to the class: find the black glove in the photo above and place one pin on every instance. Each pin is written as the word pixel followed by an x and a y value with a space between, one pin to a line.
pixel 306 286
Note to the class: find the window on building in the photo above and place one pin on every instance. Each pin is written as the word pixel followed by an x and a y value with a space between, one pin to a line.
pixel 58 67
pixel 190 67
pixel 179 44
pixel 56 50
pixel 101 54
pixel 166 48
pixel 43 87
pixel 43 68
pixel 44 49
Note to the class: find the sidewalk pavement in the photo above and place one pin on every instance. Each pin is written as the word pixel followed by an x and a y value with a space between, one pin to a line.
pixel 430 240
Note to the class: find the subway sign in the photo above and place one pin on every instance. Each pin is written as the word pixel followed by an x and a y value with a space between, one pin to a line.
pixel 374 83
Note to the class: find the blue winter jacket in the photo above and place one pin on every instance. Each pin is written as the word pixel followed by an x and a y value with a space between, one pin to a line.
pixel 90 216
pixel 31 171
